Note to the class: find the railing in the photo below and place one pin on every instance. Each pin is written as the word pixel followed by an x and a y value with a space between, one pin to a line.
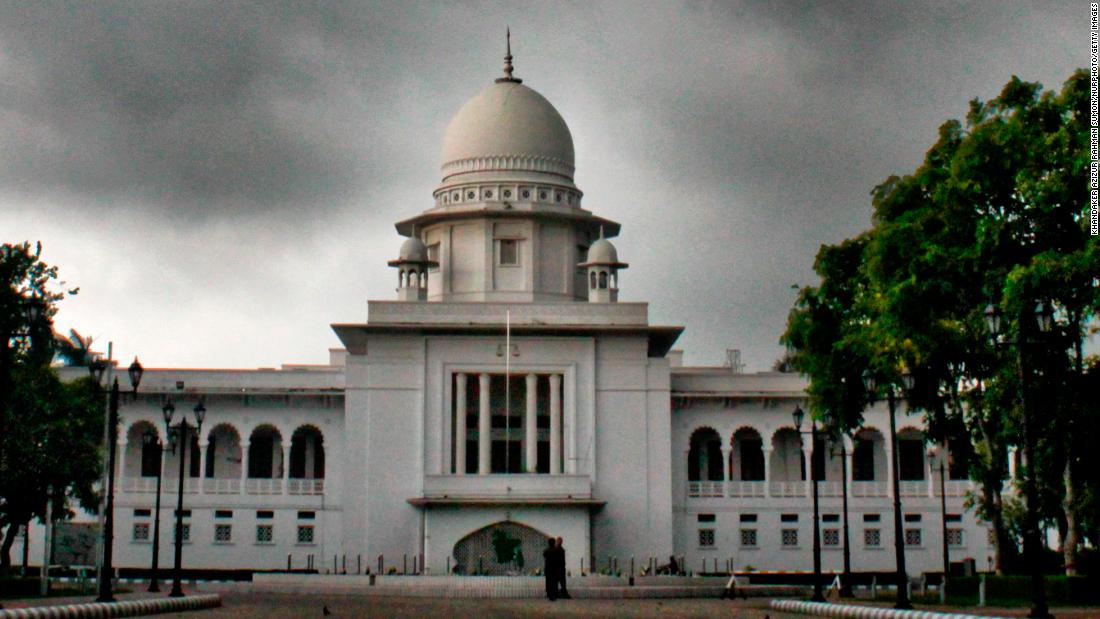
pixel 868 489
pixel 221 486
pixel 706 489
pixel 305 486
pixel 263 486
pixel 913 488
pixel 829 488
pixel 753 489
pixel 788 488
pixel 190 485
pixel 138 484
pixel 953 487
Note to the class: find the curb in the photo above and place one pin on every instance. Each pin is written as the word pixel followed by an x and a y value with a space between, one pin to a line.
pixel 128 608
pixel 865 612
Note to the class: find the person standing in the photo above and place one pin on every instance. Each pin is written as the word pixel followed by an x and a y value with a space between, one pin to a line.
pixel 550 569
pixel 563 593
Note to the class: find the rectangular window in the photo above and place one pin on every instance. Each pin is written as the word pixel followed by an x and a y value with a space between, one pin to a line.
pixel 265 533
pixel 705 518
pixel 954 517
pixel 912 517
pixel 433 255
pixel 305 534
pixel 872 518
pixel 223 513
pixel 306 515
pixel 265 514
pixel 830 518
pixel 186 533
pixel 186 513
pixel 912 537
pixel 141 531
pixel 748 538
pixel 142 513
pixel 508 252
pixel 223 533
pixel 872 538
pixel 788 518
pixel 748 517
pixel 706 537
pixel 954 537
pixel 790 538
pixel 830 537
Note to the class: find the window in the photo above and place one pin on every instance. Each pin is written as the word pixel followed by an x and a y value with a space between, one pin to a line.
pixel 265 514
pixel 307 515
pixel 788 518
pixel 186 537
pixel 706 538
pixel 912 537
pixel 142 513
pixel 863 460
pixel 872 538
pixel 911 459
pixel 752 459
pixel 954 537
pixel 305 534
pixel 223 513
pixel 223 533
pixel 705 518
pixel 748 517
pixel 830 537
pixel 830 517
pixel 265 533
pixel 433 255
pixel 912 517
pixel 508 252
pixel 954 517
pixel 141 531
pixel 150 455
pixel 748 538
pixel 790 537
pixel 872 518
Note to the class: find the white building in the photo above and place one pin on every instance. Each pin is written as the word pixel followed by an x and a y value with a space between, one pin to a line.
pixel 506 395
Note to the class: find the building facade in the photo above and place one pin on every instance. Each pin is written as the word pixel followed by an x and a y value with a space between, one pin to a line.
pixel 507 395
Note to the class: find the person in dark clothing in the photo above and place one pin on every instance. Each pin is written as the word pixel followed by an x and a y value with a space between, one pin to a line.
pixel 563 593
pixel 673 567
pixel 550 569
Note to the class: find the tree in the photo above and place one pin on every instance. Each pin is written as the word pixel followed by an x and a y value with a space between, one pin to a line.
pixel 50 432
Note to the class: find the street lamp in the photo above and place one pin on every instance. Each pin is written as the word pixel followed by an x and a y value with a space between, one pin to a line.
pixel 151 438
pixel 200 414
pixel 941 459
pixel 846 577
pixel 871 384
pixel 1042 320
pixel 106 571
pixel 798 415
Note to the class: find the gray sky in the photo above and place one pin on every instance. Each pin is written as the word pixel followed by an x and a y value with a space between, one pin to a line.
pixel 221 179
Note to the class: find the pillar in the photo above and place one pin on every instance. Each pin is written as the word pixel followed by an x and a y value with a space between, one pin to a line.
pixel 286 468
pixel 460 424
pixel 531 428
pixel 768 471
pixel 555 424
pixel 246 446
pixel 122 458
pixel 202 465
pixel 484 427
pixel 727 465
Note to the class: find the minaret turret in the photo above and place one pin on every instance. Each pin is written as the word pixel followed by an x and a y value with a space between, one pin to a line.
pixel 412 270
pixel 603 271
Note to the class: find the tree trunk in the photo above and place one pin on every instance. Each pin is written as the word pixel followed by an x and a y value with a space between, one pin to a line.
pixel 5 549
pixel 1069 542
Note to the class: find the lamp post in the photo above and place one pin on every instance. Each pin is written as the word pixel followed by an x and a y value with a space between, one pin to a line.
pixel 869 381
pixel 1043 321
pixel 798 415
pixel 940 458
pixel 846 577
pixel 107 569
pixel 182 443
pixel 154 576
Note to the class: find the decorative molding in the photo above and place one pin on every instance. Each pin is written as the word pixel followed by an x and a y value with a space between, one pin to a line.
pixel 508 163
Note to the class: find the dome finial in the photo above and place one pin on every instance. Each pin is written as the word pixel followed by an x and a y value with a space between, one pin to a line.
pixel 508 59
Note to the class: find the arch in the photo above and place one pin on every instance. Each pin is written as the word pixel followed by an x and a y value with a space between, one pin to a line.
pixel 868 455
pixel 143 450
pixel 506 547
pixel 787 463
pixel 705 455
pixel 603 280
pixel 307 453
pixel 224 456
pixel 747 455
pixel 265 452
pixel 911 458
pixel 592 280
pixel 960 452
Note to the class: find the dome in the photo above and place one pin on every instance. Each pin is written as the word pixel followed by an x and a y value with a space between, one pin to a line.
pixel 603 252
pixel 508 127
pixel 413 250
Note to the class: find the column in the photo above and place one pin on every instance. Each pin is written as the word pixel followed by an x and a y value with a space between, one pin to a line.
pixel 245 446
pixel 484 427
pixel 202 466
pixel 849 446
pixel 460 424
pixel 286 468
pixel 727 468
pixel 531 428
pixel 768 471
pixel 121 442
pixel 555 424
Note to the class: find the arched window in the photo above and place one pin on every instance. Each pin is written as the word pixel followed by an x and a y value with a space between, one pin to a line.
pixel 150 454
pixel 592 277
pixel 910 456
pixel 603 280
pixel 959 452
pixel 307 454
pixel 705 456
pixel 263 449
pixel 748 464
pixel 863 459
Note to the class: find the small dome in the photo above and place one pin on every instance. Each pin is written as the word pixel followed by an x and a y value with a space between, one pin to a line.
pixel 508 126
pixel 602 252
pixel 413 250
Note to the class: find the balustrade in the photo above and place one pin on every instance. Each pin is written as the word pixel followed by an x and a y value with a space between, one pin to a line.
pixel 224 486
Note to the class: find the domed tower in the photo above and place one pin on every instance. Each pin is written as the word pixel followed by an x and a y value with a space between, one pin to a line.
pixel 507 223
pixel 412 270
pixel 603 271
